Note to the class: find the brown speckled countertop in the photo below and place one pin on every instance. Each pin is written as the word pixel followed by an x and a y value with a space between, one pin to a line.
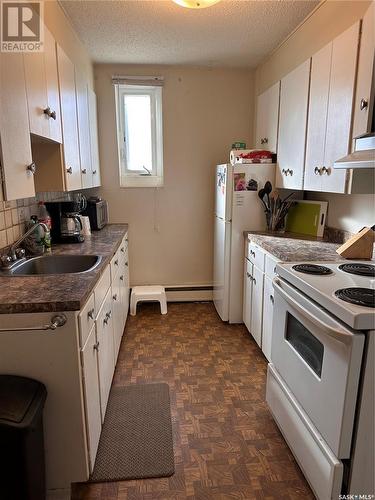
pixel 61 292
pixel 290 247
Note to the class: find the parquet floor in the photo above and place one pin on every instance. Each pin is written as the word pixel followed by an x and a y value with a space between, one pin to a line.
pixel 226 443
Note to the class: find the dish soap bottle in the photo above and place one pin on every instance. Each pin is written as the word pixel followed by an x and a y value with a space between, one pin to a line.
pixel 44 217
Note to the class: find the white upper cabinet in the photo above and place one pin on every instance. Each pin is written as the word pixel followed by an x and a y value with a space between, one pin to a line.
pixel 69 121
pixel 268 118
pixel 84 129
pixel 16 157
pixel 365 76
pixel 340 106
pixel 294 96
pixel 95 164
pixel 317 121
pixel 43 91
pixel 52 80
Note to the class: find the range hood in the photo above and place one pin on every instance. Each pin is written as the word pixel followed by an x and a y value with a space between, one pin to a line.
pixel 363 155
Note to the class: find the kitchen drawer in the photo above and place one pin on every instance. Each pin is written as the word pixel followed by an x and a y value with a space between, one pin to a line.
pixel 102 288
pixel 86 319
pixel 270 267
pixel 256 255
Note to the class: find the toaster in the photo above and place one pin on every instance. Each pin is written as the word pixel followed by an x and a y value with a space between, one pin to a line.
pixel 97 211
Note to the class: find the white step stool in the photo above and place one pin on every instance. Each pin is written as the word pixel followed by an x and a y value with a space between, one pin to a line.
pixel 147 293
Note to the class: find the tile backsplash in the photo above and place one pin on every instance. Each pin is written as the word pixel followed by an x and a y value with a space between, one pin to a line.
pixel 15 214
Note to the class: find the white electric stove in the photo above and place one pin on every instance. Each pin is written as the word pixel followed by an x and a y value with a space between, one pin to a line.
pixel 320 384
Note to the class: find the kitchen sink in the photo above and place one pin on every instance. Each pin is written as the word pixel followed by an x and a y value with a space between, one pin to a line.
pixel 55 264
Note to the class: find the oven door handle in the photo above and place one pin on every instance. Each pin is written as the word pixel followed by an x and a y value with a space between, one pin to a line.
pixel 339 334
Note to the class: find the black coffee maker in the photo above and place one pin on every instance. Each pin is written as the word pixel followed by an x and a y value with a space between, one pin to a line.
pixel 65 221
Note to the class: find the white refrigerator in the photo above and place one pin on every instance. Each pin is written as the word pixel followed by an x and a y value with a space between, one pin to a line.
pixel 237 209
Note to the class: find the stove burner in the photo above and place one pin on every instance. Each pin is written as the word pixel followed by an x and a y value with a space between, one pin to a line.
pixel 359 268
pixel 312 269
pixel 360 296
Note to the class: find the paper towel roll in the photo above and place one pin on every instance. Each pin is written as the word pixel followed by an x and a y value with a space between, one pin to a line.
pixel 236 152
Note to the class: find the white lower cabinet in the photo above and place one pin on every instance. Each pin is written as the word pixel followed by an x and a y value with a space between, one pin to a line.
pixel 247 293
pixel 89 360
pixel 257 306
pixel 258 296
pixel 106 357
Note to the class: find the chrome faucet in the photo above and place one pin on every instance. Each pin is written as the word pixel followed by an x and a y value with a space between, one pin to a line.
pixel 15 253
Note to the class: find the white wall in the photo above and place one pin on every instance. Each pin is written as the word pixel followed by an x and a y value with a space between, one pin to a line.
pixel 171 228
pixel 348 212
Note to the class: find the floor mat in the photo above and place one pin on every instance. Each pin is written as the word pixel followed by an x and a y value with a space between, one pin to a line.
pixel 136 440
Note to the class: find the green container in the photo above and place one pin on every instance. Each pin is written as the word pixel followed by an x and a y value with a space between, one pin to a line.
pixel 239 145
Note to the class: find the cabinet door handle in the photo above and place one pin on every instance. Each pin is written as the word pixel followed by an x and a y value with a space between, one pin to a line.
pixel 116 262
pixel 291 172
pixel 31 168
pixel 96 346
pixel 248 275
pixel 363 105
pixel 122 249
pixel 115 296
pixel 326 170
pixel 69 170
pixel 121 278
pixel 51 114
pixel 254 281
pixel 272 299
pixel 94 172
pixel 317 171
pixel 84 170
pixel 90 314
pixel 127 264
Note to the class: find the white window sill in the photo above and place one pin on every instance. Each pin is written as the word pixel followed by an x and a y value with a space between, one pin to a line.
pixel 129 181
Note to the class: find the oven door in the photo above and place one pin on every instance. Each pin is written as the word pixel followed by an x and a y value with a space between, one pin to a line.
pixel 320 361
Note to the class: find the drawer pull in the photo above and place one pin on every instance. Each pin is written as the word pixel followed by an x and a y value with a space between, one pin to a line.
pixel 96 346
pixel 248 275
pixel 84 171
pixel 115 296
pixel 105 320
pixel 254 281
pixel 121 278
pixel 94 172
pixel 252 253
pixel 122 249
pixel 31 168
pixel 116 262
pixel 364 104
pixel 69 170
pixel 90 314
pixel 127 264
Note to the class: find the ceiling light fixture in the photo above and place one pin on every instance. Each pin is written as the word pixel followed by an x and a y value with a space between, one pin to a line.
pixel 196 4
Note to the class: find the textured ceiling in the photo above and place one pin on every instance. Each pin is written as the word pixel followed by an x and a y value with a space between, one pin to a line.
pixel 231 33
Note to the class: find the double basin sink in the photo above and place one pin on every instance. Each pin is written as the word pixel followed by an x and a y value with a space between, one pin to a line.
pixel 54 264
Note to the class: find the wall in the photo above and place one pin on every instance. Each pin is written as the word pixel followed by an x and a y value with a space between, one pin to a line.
pixel 13 214
pixel 348 212
pixel 171 228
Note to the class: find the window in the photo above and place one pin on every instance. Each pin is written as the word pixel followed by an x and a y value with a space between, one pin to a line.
pixel 139 132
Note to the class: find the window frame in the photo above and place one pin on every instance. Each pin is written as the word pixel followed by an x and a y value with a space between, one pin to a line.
pixel 138 178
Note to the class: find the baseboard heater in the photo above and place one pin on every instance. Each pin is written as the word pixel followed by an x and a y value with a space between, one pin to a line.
pixel 189 293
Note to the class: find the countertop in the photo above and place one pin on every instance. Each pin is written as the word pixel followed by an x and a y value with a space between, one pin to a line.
pixel 61 292
pixel 291 247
